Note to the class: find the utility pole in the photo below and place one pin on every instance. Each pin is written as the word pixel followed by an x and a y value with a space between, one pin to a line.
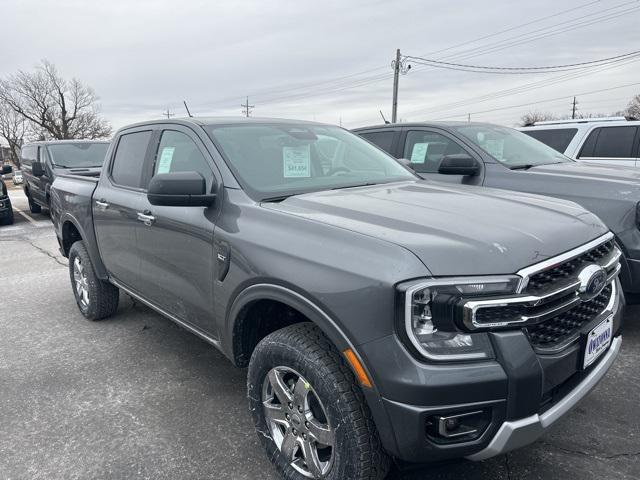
pixel 574 109
pixel 469 117
pixel 396 77
pixel 399 67
pixel 246 108
pixel 168 114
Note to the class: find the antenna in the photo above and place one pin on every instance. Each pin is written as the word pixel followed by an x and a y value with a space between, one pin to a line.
pixel 384 119
pixel 187 108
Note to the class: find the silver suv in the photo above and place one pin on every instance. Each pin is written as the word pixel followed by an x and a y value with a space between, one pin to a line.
pixel 600 140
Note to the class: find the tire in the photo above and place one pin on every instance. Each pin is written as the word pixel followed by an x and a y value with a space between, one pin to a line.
pixel 96 298
pixel 33 206
pixel 307 363
pixel 9 220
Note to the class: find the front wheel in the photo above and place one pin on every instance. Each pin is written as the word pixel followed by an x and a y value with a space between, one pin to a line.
pixel 309 412
pixel 33 206
pixel 96 298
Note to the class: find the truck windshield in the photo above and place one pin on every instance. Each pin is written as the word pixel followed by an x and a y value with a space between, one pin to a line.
pixel 273 160
pixel 78 155
pixel 510 147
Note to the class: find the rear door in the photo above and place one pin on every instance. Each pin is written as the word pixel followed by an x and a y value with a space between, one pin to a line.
pixel 176 243
pixel 116 203
pixel 614 145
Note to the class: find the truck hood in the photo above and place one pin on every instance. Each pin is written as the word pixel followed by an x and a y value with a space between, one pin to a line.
pixel 453 230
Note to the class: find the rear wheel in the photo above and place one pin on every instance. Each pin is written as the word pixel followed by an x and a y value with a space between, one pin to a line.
pixel 309 412
pixel 96 298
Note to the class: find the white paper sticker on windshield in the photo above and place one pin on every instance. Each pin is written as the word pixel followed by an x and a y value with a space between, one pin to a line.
pixel 495 148
pixel 296 161
pixel 419 152
pixel 166 156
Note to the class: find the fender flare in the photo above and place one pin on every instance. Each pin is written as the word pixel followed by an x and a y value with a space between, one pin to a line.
pixel 290 297
pixel 89 241
pixel 296 300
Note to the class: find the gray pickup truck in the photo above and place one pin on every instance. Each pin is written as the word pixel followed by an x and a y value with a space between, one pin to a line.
pixel 380 315
pixel 476 153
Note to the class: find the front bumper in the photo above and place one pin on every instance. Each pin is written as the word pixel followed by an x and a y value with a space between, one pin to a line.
pixel 523 390
pixel 519 433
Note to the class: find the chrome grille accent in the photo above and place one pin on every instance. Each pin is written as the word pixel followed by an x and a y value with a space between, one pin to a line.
pixel 550 304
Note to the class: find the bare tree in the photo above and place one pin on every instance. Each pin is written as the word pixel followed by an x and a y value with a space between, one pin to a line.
pixel 13 127
pixel 533 117
pixel 633 109
pixel 57 107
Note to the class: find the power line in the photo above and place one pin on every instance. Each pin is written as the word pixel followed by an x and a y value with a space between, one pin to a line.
pixel 542 69
pixel 543 101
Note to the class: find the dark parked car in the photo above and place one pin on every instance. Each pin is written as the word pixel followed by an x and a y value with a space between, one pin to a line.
pixel 42 162
pixel 501 157
pixel 6 210
pixel 379 315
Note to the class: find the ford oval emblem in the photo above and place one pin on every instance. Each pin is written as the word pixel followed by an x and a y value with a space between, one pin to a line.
pixel 593 279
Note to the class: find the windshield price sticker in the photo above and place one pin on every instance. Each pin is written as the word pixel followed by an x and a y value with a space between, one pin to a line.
pixel 296 161
pixel 419 152
pixel 164 164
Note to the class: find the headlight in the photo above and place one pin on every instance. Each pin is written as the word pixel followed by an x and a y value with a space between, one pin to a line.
pixel 431 313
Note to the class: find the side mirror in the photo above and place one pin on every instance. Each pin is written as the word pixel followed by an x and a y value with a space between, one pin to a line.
pixel 459 164
pixel 406 163
pixel 179 189
pixel 37 169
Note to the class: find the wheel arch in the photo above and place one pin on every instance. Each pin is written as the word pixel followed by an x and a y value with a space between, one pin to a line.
pixel 70 231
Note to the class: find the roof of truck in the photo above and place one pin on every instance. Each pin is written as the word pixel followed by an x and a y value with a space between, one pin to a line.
pixel 442 124
pixel 221 121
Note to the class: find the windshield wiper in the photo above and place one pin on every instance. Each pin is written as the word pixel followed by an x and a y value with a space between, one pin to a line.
pixel 277 199
pixel 523 167
pixel 355 186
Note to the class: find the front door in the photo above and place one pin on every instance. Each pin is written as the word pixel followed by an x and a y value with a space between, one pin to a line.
pixel 425 149
pixel 116 203
pixel 176 243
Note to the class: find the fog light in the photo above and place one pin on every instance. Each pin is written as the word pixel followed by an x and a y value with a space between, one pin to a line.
pixel 458 427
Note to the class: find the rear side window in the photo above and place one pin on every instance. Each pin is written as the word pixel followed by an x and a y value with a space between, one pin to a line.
pixel 129 159
pixel 384 140
pixel 558 139
pixel 609 142
pixel 177 152
pixel 426 150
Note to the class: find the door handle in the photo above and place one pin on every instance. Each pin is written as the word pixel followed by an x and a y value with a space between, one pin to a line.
pixel 146 219
pixel 101 204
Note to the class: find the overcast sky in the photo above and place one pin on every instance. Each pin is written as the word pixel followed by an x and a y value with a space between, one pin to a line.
pixel 329 60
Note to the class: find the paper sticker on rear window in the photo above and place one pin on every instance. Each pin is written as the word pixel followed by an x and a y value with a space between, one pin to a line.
pixel 495 148
pixel 419 152
pixel 166 156
pixel 296 161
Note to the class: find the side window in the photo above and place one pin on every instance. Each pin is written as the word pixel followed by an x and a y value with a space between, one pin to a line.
pixel 384 140
pixel 129 159
pixel 425 150
pixel 179 153
pixel 28 153
pixel 43 155
pixel 609 142
pixel 556 138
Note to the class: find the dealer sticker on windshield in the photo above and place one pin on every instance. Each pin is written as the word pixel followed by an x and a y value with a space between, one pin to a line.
pixel 598 341
pixel 296 161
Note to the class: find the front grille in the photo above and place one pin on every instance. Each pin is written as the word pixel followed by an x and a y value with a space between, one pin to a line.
pixel 559 329
pixel 548 278
pixel 553 306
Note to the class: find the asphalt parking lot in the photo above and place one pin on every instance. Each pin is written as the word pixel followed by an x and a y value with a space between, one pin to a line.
pixel 135 396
